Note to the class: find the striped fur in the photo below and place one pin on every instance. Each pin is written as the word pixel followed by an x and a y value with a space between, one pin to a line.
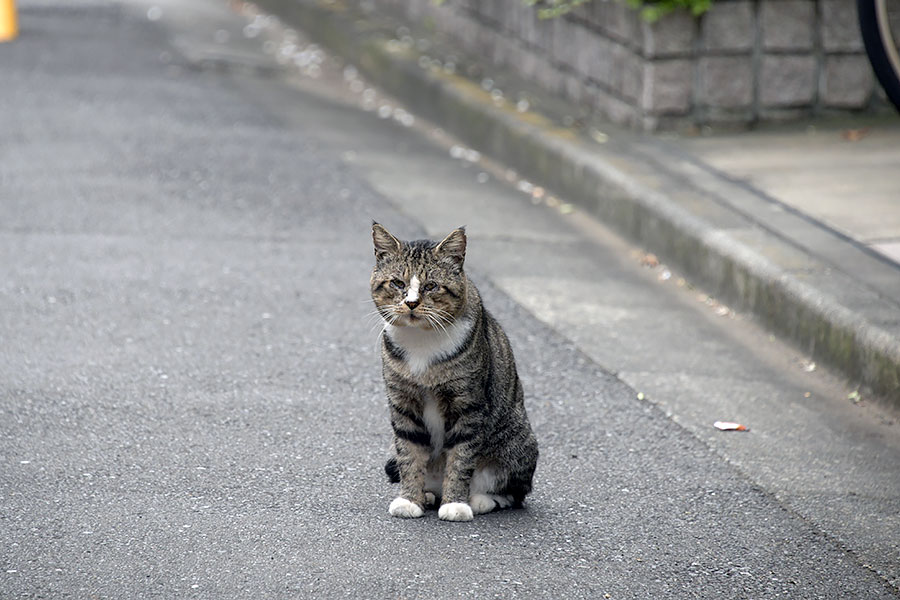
pixel 461 433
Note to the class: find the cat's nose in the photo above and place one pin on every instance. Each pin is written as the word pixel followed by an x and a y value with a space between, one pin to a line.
pixel 412 304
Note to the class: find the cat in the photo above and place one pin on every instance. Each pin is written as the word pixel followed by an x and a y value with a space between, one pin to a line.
pixel 462 440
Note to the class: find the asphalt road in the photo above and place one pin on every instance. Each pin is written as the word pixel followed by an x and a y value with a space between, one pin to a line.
pixel 190 394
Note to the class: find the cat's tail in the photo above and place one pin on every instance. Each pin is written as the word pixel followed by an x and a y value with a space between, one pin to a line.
pixel 393 470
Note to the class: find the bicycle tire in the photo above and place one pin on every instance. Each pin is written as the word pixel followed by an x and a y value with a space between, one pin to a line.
pixel 881 46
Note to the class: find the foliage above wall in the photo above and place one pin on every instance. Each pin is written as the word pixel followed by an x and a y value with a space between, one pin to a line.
pixel 651 10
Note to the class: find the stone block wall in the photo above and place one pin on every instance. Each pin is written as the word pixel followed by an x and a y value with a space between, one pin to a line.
pixel 742 62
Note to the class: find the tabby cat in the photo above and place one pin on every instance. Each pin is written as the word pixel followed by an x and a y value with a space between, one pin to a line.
pixel 462 439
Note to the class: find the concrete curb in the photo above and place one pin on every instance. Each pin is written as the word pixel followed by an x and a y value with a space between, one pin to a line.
pixel 621 187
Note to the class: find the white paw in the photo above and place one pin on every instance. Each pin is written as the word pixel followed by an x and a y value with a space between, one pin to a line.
pixel 503 501
pixel 430 500
pixel 455 511
pixel 403 508
pixel 482 503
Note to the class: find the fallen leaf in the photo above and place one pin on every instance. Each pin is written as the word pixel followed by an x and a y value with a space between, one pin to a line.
pixel 649 260
pixel 854 135
pixel 598 136
pixel 728 426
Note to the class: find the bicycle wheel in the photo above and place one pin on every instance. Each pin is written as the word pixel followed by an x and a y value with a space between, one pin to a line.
pixel 879 22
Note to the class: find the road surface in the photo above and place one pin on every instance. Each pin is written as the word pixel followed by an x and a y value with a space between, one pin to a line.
pixel 190 393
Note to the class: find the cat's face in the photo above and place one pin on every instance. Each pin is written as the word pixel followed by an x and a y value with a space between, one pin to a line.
pixel 419 284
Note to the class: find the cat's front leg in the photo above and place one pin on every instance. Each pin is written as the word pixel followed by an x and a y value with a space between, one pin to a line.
pixel 460 466
pixel 412 459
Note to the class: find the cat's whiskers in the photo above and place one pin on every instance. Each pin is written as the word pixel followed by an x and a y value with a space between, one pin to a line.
pixel 378 326
pixel 373 314
pixel 442 316
pixel 375 318
pixel 381 317
pixel 440 310
pixel 387 319
pixel 435 320
pixel 377 309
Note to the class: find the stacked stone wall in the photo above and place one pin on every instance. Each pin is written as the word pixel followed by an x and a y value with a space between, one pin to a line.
pixel 742 62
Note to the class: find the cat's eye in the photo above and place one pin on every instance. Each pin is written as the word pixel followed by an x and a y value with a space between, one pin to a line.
pixel 430 286
pixel 398 283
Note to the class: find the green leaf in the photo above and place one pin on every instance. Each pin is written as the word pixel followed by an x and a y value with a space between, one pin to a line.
pixel 650 10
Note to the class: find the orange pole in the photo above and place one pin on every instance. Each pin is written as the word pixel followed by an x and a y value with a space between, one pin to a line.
pixel 9 28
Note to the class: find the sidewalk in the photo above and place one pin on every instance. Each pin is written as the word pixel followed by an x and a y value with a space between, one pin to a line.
pixel 799 226
pixel 844 178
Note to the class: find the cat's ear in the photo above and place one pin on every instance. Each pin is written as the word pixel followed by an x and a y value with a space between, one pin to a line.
pixel 453 246
pixel 385 243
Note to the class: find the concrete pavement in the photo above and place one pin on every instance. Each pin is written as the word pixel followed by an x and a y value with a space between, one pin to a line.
pixel 842 175
pixel 191 406
pixel 806 247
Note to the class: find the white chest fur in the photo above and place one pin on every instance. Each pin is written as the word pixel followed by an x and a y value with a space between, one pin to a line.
pixel 424 346
pixel 434 423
